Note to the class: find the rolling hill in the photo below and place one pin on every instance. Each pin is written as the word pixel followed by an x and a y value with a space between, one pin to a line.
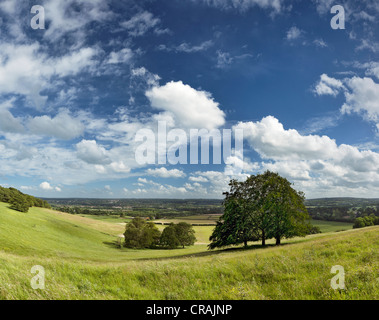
pixel 82 261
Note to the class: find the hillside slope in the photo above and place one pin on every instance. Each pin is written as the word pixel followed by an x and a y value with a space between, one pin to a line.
pixel 81 262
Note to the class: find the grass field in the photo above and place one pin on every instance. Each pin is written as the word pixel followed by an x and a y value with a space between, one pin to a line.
pixel 82 262
pixel 332 226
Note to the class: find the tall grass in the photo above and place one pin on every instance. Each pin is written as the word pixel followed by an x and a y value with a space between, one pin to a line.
pixel 81 263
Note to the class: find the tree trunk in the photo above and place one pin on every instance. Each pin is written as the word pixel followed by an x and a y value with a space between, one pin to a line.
pixel 263 238
pixel 278 241
pixel 245 243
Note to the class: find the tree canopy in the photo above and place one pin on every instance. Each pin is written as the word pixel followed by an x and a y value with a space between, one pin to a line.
pixel 141 234
pixel 20 201
pixel 262 207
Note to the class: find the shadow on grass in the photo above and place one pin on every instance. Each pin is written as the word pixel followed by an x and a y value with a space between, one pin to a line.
pixel 249 248
pixel 112 244
pixel 217 251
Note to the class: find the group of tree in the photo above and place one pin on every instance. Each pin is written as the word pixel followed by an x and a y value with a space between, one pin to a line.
pixel 263 207
pixel 367 221
pixel 140 234
pixel 20 201
pixel 335 213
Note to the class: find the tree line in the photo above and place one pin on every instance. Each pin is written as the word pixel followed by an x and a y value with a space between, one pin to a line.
pixel 263 207
pixel 366 221
pixel 19 201
pixel 140 234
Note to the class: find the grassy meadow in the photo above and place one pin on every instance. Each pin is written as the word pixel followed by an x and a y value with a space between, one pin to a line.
pixel 82 261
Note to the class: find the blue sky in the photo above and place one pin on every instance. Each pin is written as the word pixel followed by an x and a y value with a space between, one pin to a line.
pixel 73 96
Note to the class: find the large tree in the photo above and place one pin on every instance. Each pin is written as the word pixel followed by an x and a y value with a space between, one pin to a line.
pixel 235 226
pixel 185 234
pixel 284 207
pixel 262 207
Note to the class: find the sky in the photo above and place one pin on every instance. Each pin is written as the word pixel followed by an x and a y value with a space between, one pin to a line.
pixel 83 84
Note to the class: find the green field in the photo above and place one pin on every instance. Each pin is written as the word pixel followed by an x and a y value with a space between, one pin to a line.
pixel 332 226
pixel 82 261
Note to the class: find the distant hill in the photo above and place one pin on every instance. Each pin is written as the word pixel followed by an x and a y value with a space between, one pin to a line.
pixel 342 202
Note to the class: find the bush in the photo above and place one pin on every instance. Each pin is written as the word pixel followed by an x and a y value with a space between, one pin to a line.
pixel 359 223
pixel 366 221
pixel 313 230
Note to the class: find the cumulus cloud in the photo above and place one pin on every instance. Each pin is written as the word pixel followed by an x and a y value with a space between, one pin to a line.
pixel 328 86
pixel 269 138
pixel 361 94
pixel 8 123
pixel 47 187
pixel 120 167
pixel 75 62
pixel 362 98
pixel 90 152
pixel 198 179
pixel 192 108
pixel 165 173
pixel 62 126
pixel 311 158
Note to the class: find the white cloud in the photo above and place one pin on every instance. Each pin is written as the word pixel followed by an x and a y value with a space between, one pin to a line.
pixel 8 123
pixel 243 5
pixel 362 98
pixel 293 33
pixel 373 69
pixel 151 79
pixel 122 56
pixel 269 138
pixel 120 167
pixel 25 69
pixel 328 86
pixel 224 59
pixel 361 94
pixel 72 16
pixel 74 63
pixel 165 173
pixel 90 152
pixel 314 163
pixel 9 6
pixel 188 48
pixel 192 108
pixel 198 179
pixel 324 6
pixel 320 43
pixel 141 23
pixel 46 186
pixel 62 126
